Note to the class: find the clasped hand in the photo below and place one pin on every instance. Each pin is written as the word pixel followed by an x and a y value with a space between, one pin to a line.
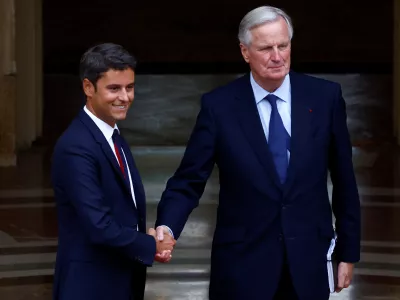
pixel 164 243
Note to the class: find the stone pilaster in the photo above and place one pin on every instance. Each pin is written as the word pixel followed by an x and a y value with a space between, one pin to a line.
pixel 7 84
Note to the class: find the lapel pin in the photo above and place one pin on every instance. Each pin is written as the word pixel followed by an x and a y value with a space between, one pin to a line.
pixel 310 110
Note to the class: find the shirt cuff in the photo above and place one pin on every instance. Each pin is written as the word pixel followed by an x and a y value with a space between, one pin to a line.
pixel 169 229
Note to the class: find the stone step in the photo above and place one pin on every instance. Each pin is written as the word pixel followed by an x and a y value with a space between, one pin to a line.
pixel 186 263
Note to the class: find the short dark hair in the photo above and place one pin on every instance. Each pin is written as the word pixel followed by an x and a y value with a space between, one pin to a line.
pixel 102 58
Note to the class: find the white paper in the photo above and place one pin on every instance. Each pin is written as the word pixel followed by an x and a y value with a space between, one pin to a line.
pixel 331 275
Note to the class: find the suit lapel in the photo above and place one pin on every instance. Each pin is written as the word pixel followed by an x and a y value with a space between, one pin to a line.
pixel 113 160
pixel 105 146
pixel 301 119
pixel 249 118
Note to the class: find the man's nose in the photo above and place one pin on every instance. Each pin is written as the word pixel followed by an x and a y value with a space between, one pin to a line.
pixel 275 55
pixel 123 95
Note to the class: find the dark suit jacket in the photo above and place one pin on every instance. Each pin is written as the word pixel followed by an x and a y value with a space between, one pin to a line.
pixel 259 220
pixel 101 255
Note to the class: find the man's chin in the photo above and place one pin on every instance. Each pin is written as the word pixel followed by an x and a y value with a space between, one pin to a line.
pixel 277 74
pixel 120 117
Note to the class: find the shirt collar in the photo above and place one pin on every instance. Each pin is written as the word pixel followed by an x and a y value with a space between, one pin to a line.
pixel 283 92
pixel 106 129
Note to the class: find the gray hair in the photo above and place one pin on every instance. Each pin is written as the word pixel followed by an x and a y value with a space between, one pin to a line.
pixel 260 16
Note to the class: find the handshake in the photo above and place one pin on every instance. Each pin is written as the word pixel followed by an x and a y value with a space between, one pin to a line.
pixel 164 243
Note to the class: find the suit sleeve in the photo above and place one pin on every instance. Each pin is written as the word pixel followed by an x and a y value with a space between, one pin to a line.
pixel 80 181
pixel 186 186
pixel 345 198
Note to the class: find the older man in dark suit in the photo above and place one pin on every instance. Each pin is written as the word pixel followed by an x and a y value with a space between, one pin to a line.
pixel 274 135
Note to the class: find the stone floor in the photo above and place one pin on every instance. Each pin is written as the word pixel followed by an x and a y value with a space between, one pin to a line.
pixel 28 225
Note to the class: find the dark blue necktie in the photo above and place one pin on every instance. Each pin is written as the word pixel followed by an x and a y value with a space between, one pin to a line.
pixel 120 155
pixel 278 139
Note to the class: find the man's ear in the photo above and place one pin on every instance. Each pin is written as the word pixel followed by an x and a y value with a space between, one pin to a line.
pixel 245 52
pixel 88 88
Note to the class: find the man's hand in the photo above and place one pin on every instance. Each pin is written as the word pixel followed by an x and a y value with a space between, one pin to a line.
pixel 164 246
pixel 345 275
pixel 161 231
pixel 163 234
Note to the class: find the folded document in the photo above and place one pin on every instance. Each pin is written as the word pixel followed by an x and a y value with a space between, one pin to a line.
pixel 332 266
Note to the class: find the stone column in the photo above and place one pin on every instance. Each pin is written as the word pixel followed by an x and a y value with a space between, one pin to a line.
pixel 396 70
pixel 29 71
pixel 7 84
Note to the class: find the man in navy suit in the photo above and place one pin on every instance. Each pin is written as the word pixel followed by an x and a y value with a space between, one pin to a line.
pixel 274 135
pixel 103 249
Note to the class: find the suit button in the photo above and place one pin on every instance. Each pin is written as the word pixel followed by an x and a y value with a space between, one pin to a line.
pixel 284 206
pixel 280 238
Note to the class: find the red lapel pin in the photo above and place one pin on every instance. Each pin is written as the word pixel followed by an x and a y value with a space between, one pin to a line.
pixel 310 110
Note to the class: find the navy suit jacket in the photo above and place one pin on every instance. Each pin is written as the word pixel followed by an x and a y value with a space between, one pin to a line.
pixel 261 222
pixel 101 255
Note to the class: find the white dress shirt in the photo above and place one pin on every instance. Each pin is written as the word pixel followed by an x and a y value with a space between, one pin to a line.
pixel 283 104
pixel 108 132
